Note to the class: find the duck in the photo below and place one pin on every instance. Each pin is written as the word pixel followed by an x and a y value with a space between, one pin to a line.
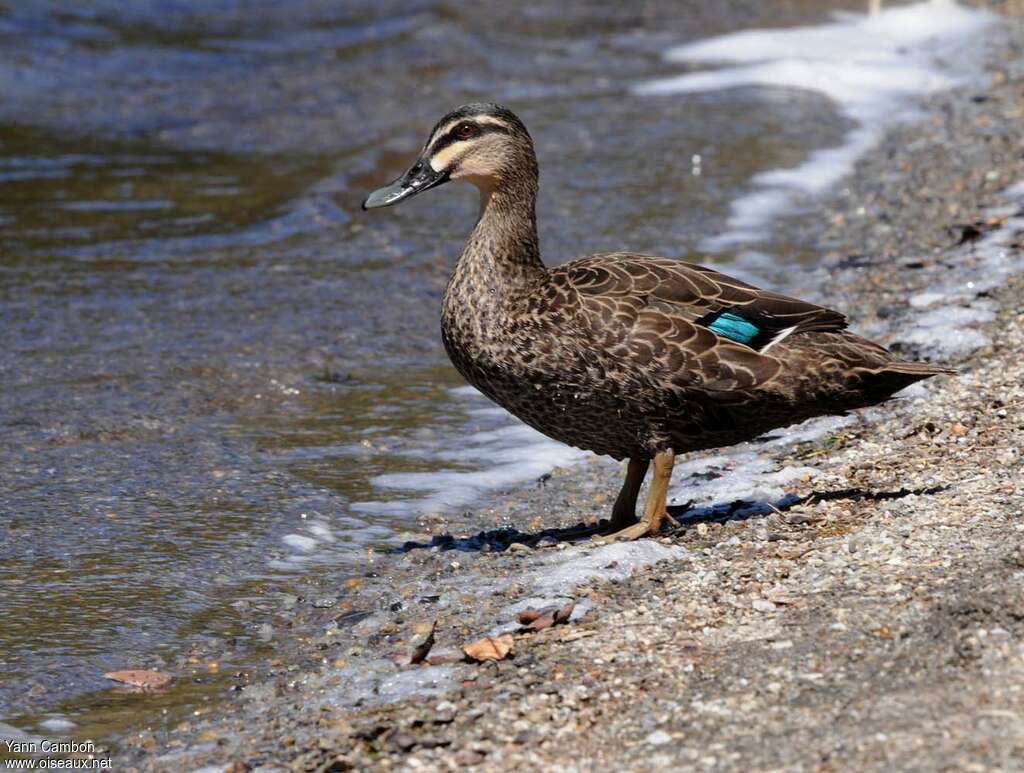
pixel 636 357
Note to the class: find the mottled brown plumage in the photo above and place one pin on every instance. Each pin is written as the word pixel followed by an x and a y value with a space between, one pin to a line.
pixel 616 353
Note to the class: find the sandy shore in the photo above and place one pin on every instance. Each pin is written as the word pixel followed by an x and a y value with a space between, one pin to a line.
pixel 872 620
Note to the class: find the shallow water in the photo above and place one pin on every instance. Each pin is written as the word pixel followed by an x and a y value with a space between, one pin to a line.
pixel 219 374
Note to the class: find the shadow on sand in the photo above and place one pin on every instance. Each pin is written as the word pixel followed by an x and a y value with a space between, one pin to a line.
pixel 498 540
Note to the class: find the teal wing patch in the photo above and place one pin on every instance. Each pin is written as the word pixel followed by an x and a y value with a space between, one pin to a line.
pixel 735 328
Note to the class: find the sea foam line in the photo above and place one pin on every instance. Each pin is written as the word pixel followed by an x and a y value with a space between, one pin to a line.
pixel 873 67
pixel 505 455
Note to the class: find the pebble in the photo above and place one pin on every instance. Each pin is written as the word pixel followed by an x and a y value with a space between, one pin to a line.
pixel 658 738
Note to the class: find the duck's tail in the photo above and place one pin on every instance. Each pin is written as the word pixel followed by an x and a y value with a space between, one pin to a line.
pixel 899 375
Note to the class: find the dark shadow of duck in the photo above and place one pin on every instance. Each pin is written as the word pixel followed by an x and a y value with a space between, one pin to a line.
pixel 499 540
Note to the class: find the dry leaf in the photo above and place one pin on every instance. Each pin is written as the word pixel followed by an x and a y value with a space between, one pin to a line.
pixel 527 616
pixel 423 648
pixel 150 680
pixel 489 648
pixel 544 621
pixel 533 620
pixel 563 614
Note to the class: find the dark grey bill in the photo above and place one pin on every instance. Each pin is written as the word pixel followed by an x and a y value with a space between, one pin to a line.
pixel 418 179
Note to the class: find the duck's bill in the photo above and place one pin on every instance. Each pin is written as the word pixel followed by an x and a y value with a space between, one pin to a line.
pixel 420 178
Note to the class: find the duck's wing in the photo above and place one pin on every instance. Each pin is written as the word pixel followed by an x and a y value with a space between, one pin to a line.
pixel 683 324
pixel 728 306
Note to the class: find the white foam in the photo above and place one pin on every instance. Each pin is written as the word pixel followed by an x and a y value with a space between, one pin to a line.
pixel 926 299
pixel 580 608
pixel 944 328
pixel 562 573
pixel 501 457
pixel 958 316
pixel 873 67
pixel 812 429
pixel 419 682
pixel 299 542
pixel 379 683
pixel 950 341
pixel 321 531
pixel 746 475
pixel 1015 191
pixel 57 725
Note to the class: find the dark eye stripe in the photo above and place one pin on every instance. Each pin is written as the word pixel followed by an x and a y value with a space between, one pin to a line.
pixel 453 137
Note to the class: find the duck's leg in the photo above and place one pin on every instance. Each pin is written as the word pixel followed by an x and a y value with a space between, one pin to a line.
pixel 624 511
pixel 655 509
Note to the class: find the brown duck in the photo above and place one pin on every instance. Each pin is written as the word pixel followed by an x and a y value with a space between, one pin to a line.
pixel 636 357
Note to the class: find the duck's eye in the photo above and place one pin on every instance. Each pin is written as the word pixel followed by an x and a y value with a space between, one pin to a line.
pixel 465 131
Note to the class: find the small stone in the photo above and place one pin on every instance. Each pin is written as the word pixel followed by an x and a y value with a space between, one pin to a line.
pixel 763 605
pixel 404 741
pixel 658 738
pixel 468 758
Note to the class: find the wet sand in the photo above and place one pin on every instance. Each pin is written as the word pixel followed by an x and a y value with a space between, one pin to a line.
pixel 869 619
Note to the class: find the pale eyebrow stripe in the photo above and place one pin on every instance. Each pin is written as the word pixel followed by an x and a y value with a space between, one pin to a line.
pixel 443 131
pixel 490 119
pixel 483 119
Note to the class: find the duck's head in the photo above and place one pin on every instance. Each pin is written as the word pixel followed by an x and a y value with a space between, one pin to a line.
pixel 481 143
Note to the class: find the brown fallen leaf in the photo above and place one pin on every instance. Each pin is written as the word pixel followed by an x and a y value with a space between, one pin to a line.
pixel 563 614
pixel 527 616
pixel 489 648
pixel 150 680
pixel 419 654
pixel 540 623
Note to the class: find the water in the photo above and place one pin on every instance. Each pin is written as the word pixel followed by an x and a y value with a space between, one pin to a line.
pixel 218 374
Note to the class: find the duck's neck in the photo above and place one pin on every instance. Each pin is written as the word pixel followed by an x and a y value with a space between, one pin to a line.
pixel 502 253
